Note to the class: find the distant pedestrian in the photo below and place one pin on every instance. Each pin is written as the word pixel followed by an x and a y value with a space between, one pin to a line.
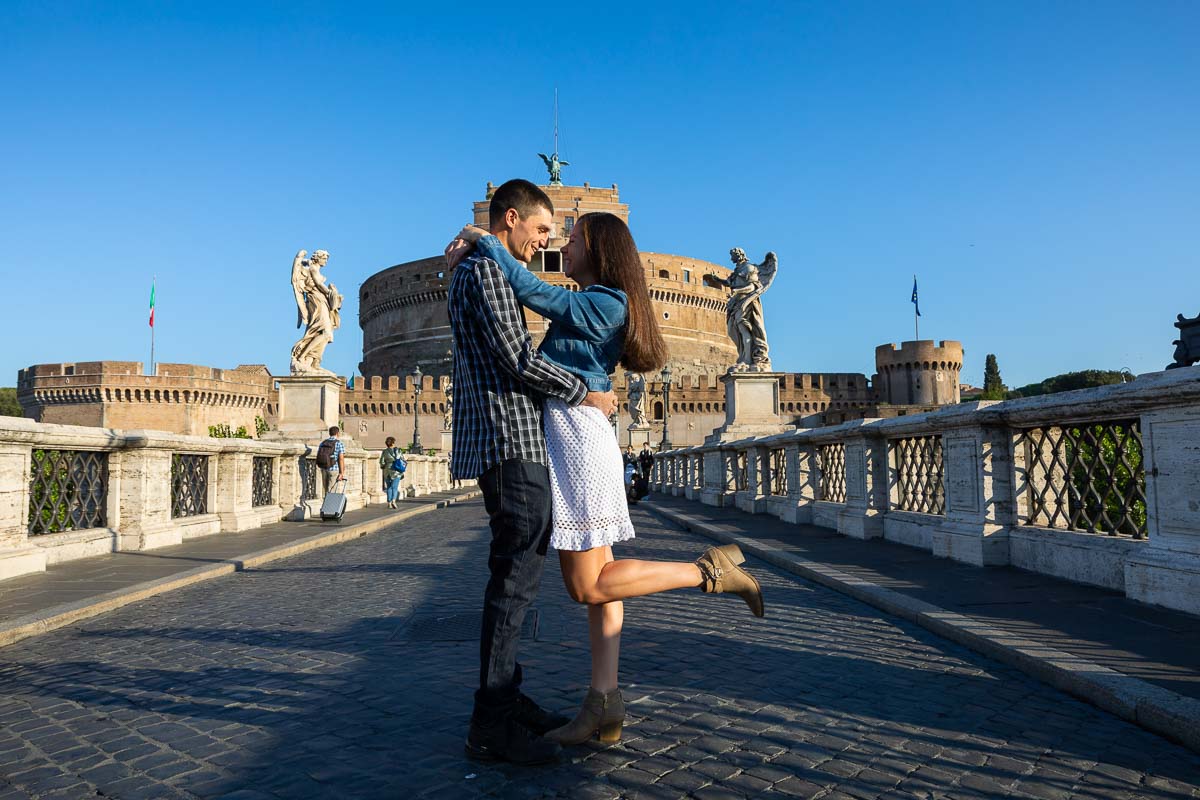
pixel 646 461
pixel 331 459
pixel 392 462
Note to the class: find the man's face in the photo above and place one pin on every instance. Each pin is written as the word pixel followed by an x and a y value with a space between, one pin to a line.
pixel 527 236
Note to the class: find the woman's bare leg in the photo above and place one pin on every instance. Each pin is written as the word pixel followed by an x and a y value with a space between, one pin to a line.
pixel 593 577
pixel 604 631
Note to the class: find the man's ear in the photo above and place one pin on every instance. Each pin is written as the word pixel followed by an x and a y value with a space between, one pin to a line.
pixel 511 218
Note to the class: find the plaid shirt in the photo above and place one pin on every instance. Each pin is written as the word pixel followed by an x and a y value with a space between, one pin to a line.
pixel 499 379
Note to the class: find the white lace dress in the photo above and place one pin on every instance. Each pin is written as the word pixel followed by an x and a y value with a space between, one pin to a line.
pixel 586 478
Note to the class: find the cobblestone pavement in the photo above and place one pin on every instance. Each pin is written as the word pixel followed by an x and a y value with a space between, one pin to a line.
pixel 303 680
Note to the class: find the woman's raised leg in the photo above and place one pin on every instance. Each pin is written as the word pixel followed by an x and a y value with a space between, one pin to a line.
pixel 593 577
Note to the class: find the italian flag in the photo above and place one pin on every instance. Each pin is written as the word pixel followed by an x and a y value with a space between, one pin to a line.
pixel 151 304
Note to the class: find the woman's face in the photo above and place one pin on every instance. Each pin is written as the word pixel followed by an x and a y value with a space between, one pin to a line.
pixel 575 261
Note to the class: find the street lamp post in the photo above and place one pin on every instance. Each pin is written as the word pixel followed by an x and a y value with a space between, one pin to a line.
pixel 416 442
pixel 666 382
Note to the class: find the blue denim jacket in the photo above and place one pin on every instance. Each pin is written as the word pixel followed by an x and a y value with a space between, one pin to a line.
pixel 587 328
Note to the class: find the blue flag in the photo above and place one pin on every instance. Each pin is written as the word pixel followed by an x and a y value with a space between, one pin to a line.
pixel 914 297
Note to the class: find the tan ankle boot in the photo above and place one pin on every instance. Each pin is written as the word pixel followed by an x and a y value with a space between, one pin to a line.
pixel 601 712
pixel 719 566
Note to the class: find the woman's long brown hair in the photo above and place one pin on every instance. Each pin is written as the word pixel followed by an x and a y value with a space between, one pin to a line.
pixel 611 251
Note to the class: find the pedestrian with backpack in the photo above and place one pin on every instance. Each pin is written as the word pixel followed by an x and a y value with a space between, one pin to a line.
pixel 331 459
pixel 392 462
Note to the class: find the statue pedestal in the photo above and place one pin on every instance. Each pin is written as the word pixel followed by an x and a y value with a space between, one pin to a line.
pixel 308 407
pixel 639 436
pixel 447 442
pixel 751 407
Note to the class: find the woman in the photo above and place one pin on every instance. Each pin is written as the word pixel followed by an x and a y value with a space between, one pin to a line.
pixel 393 465
pixel 609 320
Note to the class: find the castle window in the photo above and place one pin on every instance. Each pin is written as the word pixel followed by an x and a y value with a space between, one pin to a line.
pixel 666 315
pixel 658 409
pixel 553 260
pixel 687 276
pixel 537 264
pixel 568 226
pixel 662 273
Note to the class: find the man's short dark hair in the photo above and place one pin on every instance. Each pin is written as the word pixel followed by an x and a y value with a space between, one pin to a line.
pixel 333 431
pixel 520 194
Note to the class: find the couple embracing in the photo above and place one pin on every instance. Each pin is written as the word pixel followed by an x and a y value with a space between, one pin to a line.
pixel 532 427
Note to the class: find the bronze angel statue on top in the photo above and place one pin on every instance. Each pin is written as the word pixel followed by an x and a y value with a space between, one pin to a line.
pixel 319 310
pixel 554 167
pixel 743 311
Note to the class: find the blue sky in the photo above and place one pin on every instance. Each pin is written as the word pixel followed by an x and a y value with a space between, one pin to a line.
pixel 1034 163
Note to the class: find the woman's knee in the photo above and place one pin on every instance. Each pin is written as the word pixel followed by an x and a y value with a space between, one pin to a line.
pixel 584 595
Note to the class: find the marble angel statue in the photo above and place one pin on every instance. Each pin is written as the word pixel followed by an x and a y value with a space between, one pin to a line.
pixel 743 311
pixel 318 307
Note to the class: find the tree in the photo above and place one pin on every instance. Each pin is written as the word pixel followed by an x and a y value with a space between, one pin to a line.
pixel 9 407
pixel 993 386
pixel 1084 379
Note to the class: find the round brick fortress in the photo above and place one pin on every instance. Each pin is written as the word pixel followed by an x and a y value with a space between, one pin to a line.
pixel 918 373
pixel 402 309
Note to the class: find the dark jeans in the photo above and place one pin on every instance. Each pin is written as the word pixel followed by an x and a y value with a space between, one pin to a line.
pixel 516 495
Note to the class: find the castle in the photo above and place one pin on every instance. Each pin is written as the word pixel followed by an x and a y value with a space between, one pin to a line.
pixel 402 313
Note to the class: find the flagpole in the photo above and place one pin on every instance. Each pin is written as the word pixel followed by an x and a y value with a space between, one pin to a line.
pixel 916 315
pixel 153 283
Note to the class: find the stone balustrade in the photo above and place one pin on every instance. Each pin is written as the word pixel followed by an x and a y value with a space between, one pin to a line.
pixel 69 492
pixel 1099 486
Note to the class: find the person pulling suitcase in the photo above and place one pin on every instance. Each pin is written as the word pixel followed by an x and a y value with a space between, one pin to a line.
pixel 331 460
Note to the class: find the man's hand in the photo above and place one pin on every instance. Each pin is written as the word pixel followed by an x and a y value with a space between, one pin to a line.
pixel 605 401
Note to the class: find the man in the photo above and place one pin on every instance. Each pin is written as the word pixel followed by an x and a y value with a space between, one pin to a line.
pixel 333 452
pixel 500 381
pixel 646 461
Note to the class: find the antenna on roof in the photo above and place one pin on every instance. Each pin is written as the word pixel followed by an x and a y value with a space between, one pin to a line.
pixel 553 164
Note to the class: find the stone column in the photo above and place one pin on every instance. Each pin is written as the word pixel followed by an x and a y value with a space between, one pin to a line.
pixel 754 499
pixel 866 485
pixel 802 483
pixel 679 474
pixel 980 504
pixel 145 498
pixel 1167 572
pixel 695 477
pixel 234 484
pixel 17 555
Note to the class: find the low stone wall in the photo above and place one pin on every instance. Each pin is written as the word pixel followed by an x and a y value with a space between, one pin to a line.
pixel 1099 486
pixel 70 492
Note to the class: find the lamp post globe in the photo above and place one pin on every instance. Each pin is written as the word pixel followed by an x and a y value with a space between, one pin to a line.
pixel 416 440
pixel 665 444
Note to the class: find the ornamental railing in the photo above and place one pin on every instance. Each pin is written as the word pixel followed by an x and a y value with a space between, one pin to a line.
pixel 918 472
pixel 1087 477
pixel 189 485
pixel 740 477
pixel 831 468
pixel 68 490
pixel 262 481
pixel 308 479
pixel 779 478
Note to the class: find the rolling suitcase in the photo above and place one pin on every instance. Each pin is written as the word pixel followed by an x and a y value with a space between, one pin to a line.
pixel 334 505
